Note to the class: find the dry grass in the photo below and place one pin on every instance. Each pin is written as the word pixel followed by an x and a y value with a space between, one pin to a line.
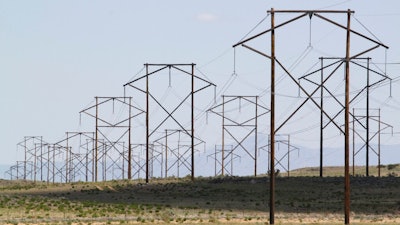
pixel 223 200
pixel 332 171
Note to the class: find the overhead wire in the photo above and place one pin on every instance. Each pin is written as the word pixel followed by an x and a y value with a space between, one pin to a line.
pixel 255 27
pixel 386 103
pixel 232 78
pixel 336 4
pixel 368 30
pixel 230 81
pixel 137 74
pixel 216 58
pixel 294 65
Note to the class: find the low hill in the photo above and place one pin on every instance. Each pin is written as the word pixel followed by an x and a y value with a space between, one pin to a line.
pixel 335 171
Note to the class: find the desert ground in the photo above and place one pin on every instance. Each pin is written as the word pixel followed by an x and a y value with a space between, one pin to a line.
pixel 301 198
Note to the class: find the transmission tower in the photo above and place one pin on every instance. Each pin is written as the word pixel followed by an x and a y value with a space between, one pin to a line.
pixel 169 118
pixel 112 133
pixel 274 60
pixel 242 129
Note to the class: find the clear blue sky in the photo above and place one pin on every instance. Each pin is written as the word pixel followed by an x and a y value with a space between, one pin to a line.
pixel 55 56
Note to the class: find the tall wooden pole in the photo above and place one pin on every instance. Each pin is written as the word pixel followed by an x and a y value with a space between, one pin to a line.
pixel 321 137
pixel 288 156
pixel 166 153
pixel 272 124
pixel 256 138
pixel 96 141
pixel 48 164
pixel 346 125
pixel 54 162
pixel 129 141
pixel 367 132
pixel 379 142
pixel 354 144
pixel 223 137
pixel 147 123
pixel 66 160
pixel 41 158
pixel 192 128
pixel 25 159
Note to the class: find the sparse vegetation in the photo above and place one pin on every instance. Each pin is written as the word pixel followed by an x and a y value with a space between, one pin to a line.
pixel 392 166
pixel 229 200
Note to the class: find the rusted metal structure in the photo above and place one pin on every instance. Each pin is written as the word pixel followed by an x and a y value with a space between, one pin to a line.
pixel 239 130
pixel 320 14
pixel 169 118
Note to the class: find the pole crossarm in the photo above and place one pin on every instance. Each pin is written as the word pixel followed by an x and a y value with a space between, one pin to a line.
pixel 350 30
pixel 170 132
pixel 384 76
pixel 269 30
pixel 74 134
pixel 322 68
pixel 106 100
pixel 168 66
pixel 232 98
pixel 317 13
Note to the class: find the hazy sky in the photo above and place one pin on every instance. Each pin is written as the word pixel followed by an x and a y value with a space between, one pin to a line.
pixel 57 55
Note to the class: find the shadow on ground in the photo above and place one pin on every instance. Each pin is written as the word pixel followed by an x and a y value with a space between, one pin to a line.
pixel 369 195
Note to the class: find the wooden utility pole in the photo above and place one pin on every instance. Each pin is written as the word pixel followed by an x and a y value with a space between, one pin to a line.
pixel 346 125
pixel 272 124
pixel 192 121
pixel 147 124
